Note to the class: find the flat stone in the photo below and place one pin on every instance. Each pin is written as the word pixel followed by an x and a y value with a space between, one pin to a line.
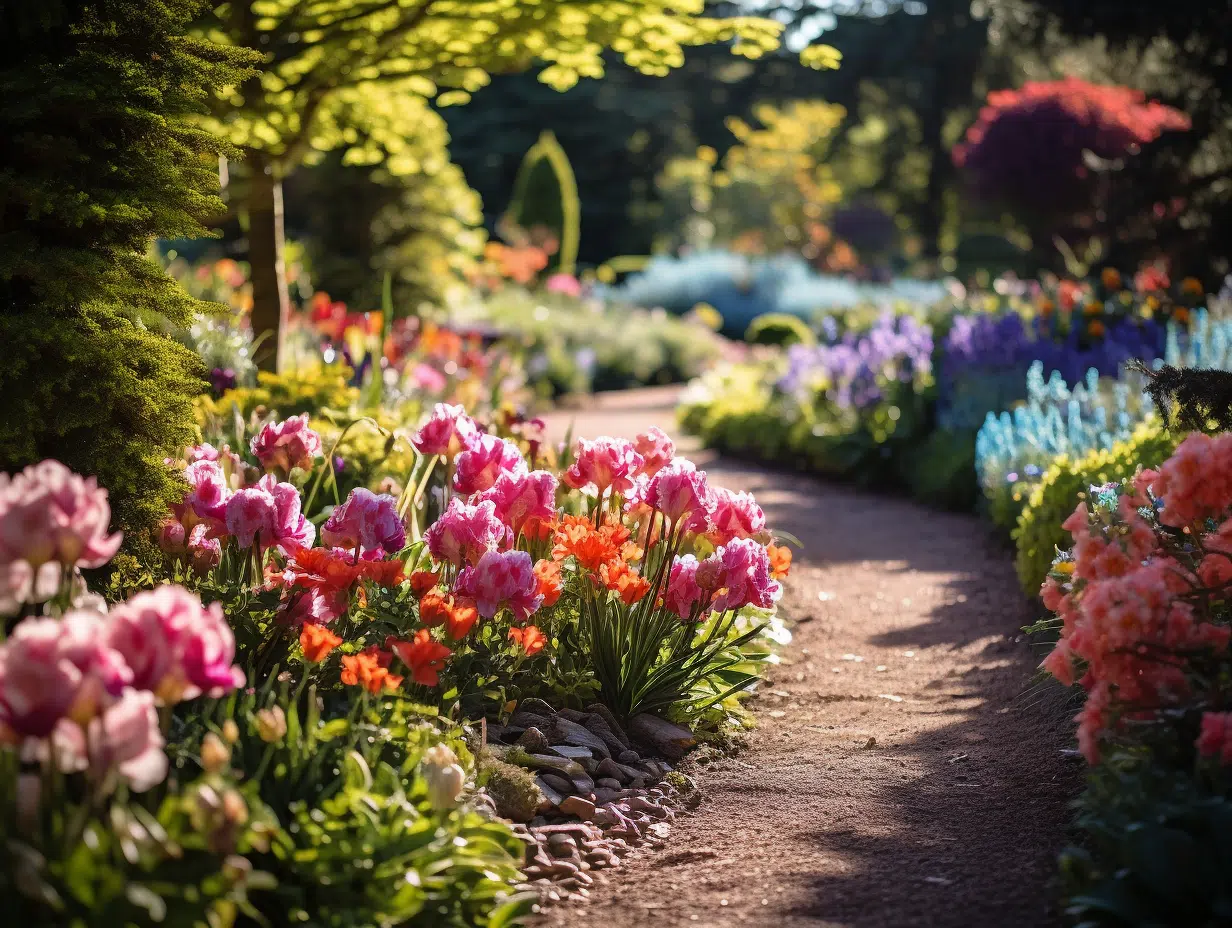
pixel 573 715
pixel 572 751
pixel 564 731
pixel 667 738
pixel 561 785
pixel 523 719
pixel 562 845
pixel 613 724
pixel 569 768
pixel 537 706
pixel 576 805
pixel 609 783
pixel 583 784
pixel 534 741
pixel 628 757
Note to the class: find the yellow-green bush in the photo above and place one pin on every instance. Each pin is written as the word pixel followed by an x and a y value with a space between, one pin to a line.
pixel 779 329
pixel 1053 499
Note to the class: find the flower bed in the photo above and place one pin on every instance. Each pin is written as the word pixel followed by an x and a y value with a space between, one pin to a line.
pixel 310 707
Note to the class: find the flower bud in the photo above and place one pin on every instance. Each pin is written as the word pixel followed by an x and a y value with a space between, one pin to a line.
pixel 444 776
pixel 215 755
pixel 271 724
pixel 230 732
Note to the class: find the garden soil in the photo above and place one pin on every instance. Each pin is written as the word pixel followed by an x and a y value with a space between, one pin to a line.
pixel 909 767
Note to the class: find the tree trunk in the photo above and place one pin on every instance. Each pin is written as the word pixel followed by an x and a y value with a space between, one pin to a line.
pixel 271 303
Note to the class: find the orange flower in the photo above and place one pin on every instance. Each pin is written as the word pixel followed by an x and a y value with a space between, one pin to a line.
pixel 435 608
pixel 461 619
pixel 1047 307
pixel 318 642
pixel 780 560
pixel 1095 329
pixel 582 542
pixel 1191 286
pixel 1093 308
pixel 424 656
pixel 551 584
pixel 320 569
pixel 424 580
pixel 369 669
pixel 537 529
pixel 1181 315
pixel 383 573
pixel 528 638
pixel 1111 278
pixel 628 584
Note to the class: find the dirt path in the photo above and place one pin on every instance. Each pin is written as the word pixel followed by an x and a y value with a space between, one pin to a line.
pixel 907 769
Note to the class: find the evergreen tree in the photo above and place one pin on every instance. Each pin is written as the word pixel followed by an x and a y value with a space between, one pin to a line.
pixel 95 162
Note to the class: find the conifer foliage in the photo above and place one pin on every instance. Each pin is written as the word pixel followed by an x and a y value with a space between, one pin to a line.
pixel 95 162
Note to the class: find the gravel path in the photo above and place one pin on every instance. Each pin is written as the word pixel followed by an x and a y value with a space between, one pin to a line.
pixel 907 769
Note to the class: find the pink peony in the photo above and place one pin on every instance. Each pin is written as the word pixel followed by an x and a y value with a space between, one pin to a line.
pixel 465 532
pixel 680 491
pixel 683 593
pixel 208 493
pixel 312 607
pixel 502 579
pixel 20 583
pixel 202 452
pixel 448 432
pixel 479 466
pixel 366 520
pixel 602 464
pixel 172 539
pixel 564 284
pixel 740 573
pixel 735 515
pixel 125 738
pixel 656 449
pixel 204 553
pixel 286 445
pixel 252 514
pixel 53 668
pixel 176 647
pixel 519 497
pixel 291 529
pixel 48 513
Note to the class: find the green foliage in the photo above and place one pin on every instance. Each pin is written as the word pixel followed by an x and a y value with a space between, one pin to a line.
pixel 98 160
pixel 545 195
pixel 1053 499
pixel 779 329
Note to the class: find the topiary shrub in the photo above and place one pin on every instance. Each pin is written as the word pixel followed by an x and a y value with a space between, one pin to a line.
pixel 97 163
pixel 1053 499
pixel 779 329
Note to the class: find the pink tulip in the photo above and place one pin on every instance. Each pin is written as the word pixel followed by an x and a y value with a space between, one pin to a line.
pixel 251 513
pixel 176 647
pixel 286 445
pixel 366 520
pixel 126 739
pixel 208 493
pixel 740 572
pixel 735 515
pixel 172 539
pixel 465 532
pixel 311 607
pixel 448 432
pixel 519 497
pixel 204 553
pixel 488 457
pixel 656 449
pixel 680 491
pixel 502 579
pixel 683 592
pixel 48 513
pixel 602 464
pixel 20 584
pixel 291 530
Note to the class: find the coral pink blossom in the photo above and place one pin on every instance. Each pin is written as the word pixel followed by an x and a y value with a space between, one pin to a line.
pixel 366 520
pixel 502 579
pixel 479 466
pixel 735 515
pixel 292 530
pixel 176 647
pixel 286 445
pixel 448 432
pixel 53 668
pixel 208 493
pixel 465 532
pixel 49 513
pixel 656 449
pixel 602 464
pixel 1215 739
pixel 1196 482
pixel 683 592
pixel 252 514
pixel 519 497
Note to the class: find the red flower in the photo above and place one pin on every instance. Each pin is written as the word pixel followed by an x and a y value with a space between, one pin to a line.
pixel 423 656
pixel 528 638
pixel 628 584
pixel 550 582
pixel 369 669
pixel 318 642
pixel 424 580
pixel 461 619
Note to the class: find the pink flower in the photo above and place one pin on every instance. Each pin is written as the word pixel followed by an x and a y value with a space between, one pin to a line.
pixel 465 532
pixel 53 668
pixel 366 520
pixel 172 539
pixel 291 530
pixel 208 493
pixel 204 553
pixel 448 431
pixel 1215 739
pixel 656 449
pixel 48 513
pixel 488 457
pixel 126 738
pixel 428 378
pixel 312 606
pixel 519 497
pixel 20 583
pixel 502 579
pixel 680 491
pixel 602 464
pixel 736 515
pixel 175 647
pixel 740 572
pixel 565 284
pixel 287 445
pixel 252 514
pixel 202 452
pixel 683 592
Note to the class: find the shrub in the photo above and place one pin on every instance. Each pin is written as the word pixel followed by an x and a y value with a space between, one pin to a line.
pixel 98 161
pixel 1039 533
pixel 779 329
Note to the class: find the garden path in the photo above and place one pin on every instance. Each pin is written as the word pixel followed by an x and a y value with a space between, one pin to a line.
pixel 907 770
